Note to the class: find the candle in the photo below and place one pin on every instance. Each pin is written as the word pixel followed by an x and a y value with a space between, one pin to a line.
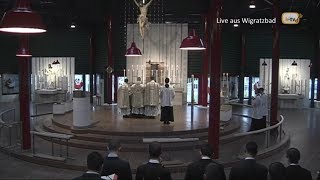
pixel 162 80
pixel 156 75
pixel 124 72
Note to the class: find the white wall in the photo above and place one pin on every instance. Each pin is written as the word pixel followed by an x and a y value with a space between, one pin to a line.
pixel 295 78
pixel 161 44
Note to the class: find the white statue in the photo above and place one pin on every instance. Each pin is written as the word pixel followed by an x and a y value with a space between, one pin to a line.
pixel 143 19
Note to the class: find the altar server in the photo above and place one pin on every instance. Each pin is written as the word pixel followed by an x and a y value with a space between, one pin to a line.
pixel 137 90
pixel 256 119
pixel 151 98
pixel 167 95
pixel 123 98
pixel 264 107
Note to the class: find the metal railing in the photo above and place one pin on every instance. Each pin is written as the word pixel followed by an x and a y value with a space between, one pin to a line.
pixel 265 130
pixel 6 129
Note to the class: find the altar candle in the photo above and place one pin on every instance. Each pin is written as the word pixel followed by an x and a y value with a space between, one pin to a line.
pixel 132 75
pixel 162 80
pixel 156 75
pixel 124 72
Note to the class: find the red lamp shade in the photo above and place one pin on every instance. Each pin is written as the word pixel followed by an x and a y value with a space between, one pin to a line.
pixel 133 50
pixel 22 20
pixel 23 52
pixel 192 42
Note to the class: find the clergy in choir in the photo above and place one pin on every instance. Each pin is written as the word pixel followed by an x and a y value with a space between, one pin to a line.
pixel 123 98
pixel 151 98
pixel 137 90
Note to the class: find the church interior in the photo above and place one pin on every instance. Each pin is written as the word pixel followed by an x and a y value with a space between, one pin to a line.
pixel 87 72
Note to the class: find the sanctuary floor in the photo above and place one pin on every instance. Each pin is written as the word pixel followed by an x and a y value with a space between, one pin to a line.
pixel 302 124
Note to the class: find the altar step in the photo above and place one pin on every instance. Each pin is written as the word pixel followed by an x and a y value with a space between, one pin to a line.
pixel 52 127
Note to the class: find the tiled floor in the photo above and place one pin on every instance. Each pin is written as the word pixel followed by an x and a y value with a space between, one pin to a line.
pixel 302 124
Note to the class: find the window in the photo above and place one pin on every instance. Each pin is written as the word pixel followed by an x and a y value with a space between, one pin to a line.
pixel 78 82
pixel 246 86
pixel 196 88
pixel 315 88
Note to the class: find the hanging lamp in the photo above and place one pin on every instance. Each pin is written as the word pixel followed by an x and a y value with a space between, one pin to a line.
pixel 133 50
pixel 252 5
pixel 294 63
pixel 264 63
pixel 22 19
pixel 192 42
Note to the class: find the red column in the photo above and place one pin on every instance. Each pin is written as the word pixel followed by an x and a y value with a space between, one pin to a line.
pixel 92 67
pixel 275 64
pixel 205 64
pixel 24 95
pixel 214 114
pixel 110 60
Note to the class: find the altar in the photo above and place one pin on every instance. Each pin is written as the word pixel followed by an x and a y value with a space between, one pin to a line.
pixel 291 100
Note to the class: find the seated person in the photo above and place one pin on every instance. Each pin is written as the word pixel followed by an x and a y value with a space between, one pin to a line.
pixel 294 171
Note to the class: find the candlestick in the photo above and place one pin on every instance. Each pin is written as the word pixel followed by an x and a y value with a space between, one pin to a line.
pixel 161 78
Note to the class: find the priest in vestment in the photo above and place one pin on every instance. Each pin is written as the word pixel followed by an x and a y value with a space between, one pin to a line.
pixel 137 91
pixel 123 98
pixel 151 98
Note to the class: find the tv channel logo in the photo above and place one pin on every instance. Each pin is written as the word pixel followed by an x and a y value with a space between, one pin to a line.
pixel 290 18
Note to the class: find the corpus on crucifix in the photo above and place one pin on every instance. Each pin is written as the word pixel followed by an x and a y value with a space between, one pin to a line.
pixel 143 19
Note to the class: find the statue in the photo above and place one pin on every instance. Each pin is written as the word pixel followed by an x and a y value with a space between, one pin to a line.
pixel 123 98
pixel 143 19
pixel 151 98
pixel 137 90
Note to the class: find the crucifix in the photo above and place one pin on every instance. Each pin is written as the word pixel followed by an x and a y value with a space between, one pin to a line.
pixel 143 19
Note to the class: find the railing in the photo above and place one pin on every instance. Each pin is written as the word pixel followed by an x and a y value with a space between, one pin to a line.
pixel 6 139
pixel 273 134
pixel 52 136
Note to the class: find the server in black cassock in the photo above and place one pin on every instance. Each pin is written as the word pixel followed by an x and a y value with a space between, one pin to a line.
pixel 166 96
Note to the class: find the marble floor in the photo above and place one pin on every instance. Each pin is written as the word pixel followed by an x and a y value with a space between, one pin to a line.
pixel 302 124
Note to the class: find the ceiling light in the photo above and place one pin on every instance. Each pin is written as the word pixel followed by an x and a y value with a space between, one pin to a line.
pixel 192 42
pixel 252 4
pixel 236 25
pixel 55 62
pixel 294 63
pixel 133 51
pixel 73 25
pixel 22 20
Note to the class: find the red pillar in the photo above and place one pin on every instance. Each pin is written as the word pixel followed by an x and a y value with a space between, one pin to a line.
pixel 205 64
pixel 24 95
pixel 92 67
pixel 275 64
pixel 214 114
pixel 110 61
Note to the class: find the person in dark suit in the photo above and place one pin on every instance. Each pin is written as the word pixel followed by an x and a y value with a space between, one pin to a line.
pixel 294 171
pixel 94 164
pixel 114 165
pixel 213 171
pixel 153 170
pixel 277 171
pixel 196 170
pixel 249 169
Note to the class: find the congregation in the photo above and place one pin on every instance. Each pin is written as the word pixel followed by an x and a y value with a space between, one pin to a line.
pixel 113 167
